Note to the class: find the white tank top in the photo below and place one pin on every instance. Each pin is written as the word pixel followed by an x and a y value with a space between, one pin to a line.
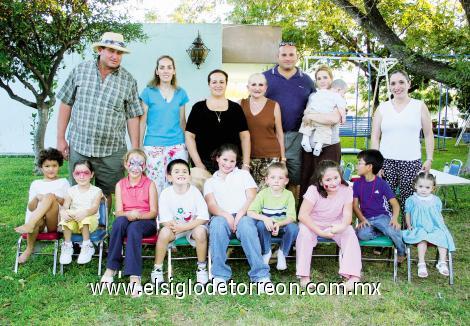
pixel 400 138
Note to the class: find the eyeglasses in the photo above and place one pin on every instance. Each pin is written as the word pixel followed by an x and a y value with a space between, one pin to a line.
pixel 81 174
pixel 361 163
pixel 286 43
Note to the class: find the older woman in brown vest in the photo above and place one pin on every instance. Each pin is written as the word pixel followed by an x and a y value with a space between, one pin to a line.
pixel 264 123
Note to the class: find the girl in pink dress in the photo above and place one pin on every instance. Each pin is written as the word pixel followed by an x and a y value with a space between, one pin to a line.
pixel 327 212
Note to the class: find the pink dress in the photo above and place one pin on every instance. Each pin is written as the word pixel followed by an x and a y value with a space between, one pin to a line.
pixel 327 211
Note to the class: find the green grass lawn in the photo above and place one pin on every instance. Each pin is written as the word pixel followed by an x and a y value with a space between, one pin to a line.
pixel 35 296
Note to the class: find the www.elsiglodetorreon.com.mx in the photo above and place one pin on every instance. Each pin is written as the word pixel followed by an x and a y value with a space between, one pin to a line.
pixel 182 289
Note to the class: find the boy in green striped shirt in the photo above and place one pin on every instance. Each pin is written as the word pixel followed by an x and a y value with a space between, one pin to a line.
pixel 274 208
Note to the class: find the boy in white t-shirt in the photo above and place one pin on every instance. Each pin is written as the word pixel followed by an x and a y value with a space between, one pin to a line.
pixel 183 212
pixel 45 197
pixel 315 135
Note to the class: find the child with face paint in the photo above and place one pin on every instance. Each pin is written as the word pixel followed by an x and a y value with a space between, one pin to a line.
pixel 136 211
pixel 327 212
pixel 80 213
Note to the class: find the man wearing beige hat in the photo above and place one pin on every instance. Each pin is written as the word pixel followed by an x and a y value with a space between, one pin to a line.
pixel 98 100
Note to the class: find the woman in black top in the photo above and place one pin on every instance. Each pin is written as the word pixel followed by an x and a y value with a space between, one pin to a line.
pixel 216 121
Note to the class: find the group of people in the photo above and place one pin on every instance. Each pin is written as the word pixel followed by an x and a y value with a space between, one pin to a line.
pixel 283 140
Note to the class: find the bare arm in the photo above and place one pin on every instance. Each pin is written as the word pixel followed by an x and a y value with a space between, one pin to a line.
pixel 133 126
pixel 62 123
pixel 183 117
pixel 143 124
pixel 190 139
pixel 153 201
pixel 250 196
pixel 118 202
pixel 395 212
pixel 279 131
pixel 347 217
pixel 428 136
pixel 358 211
pixel 408 221
pixel 246 147
pixel 376 132
pixel 191 225
pixel 67 202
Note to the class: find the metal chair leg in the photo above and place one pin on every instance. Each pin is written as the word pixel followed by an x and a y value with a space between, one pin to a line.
pixel 170 272
pixel 100 256
pixel 395 264
pixel 18 253
pixel 451 269
pixel 408 259
pixel 56 249
pixel 209 263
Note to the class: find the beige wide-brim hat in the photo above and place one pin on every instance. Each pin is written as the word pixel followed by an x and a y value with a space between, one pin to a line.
pixel 199 177
pixel 111 40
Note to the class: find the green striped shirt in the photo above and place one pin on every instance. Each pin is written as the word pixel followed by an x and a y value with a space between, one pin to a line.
pixel 100 108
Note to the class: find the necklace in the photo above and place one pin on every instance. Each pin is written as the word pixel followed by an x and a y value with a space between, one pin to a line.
pixel 218 114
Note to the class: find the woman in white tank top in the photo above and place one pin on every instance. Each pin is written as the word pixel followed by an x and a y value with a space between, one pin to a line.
pixel 396 128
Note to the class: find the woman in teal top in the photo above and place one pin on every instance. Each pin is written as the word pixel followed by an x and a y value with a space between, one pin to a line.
pixel 163 122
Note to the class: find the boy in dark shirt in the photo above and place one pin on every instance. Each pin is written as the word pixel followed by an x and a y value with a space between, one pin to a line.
pixel 371 197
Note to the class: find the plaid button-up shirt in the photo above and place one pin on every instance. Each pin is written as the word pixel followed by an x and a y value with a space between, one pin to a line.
pixel 100 108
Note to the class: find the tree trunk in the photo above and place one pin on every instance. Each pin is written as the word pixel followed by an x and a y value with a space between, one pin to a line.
pixel 39 134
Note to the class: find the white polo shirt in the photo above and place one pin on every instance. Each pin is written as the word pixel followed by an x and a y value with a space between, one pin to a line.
pixel 230 192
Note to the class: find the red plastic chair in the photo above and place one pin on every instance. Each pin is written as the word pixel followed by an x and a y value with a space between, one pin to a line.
pixel 42 237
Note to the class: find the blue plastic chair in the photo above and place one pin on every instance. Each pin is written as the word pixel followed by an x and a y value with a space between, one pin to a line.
pixel 98 236
pixel 454 169
pixel 348 170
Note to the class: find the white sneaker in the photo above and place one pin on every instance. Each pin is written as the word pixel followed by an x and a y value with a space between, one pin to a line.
pixel 262 285
pixel 267 257
pixel 219 284
pixel 86 253
pixel 66 252
pixel 157 276
pixel 281 261
pixel 202 276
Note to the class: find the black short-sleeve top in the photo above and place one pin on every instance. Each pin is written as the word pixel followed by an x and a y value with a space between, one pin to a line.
pixel 212 133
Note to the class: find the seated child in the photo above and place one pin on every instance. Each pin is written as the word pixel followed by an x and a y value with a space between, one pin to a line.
pixel 136 212
pixel 183 213
pixel 45 197
pixel 228 194
pixel 274 208
pixel 80 213
pixel 324 100
pixel 327 212
pixel 425 223
pixel 371 195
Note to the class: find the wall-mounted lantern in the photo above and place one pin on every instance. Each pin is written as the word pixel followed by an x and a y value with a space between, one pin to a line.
pixel 198 51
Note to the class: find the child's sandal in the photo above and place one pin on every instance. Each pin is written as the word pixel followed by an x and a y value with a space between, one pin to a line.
pixel 442 268
pixel 422 271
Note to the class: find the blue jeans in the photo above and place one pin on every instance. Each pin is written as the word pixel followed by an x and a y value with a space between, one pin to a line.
pixel 380 225
pixel 288 233
pixel 220 235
